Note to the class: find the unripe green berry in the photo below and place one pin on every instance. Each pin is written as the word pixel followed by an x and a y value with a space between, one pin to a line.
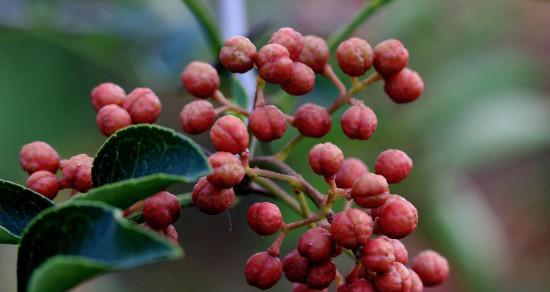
pixel 274 63
pixel 263 270
pixel 395 165
pixel 143 105
pixel 161 210
pixel 301 81
pixel 267 123
pixel 77 173
pixel 325 159
pixel 359 122
pixel 405 86
pixel 37 156
pixel 44 182
pixel 431 267
pixel 354 56
pixel 227 170
pixel 312 120
pixel 370 190
pixel 292 40
pixel 316 245
pixel 229 134
pixel 390 57
pixel 315 53
pixel 351 228
pixel 107 93
pixel 212 200
pixel 200 79
pixel 112 118
pixel 237 54
pixel 264 218
pixel 352 169
pixel 197 117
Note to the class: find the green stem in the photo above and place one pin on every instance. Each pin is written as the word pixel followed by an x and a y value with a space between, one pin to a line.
pixel 278 193
pixel 208 24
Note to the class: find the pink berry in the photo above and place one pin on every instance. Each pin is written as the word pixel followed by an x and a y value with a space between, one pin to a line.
pixel 267 123
pixel 171 233
pixel 315 53
pixel 431 267
pixel 405 86
pixel 395 165
pixel 292 40
pixel 299 287
pixel 359 285
pixel 399 249
pixel 263 270
pixel 352 169
pixel 354 56
pixel 107 93
pixel 274 63
pixel 370 190
pixel 143 105
pixel 264 218
pixel 37 156
pixel 301 81
pixel 161 210
pixel 295 267
pixel 312 120
pixel 359 122
pixel 417 285
pixel 210 199
pixel 112 118
pixel 227 170
pixel 390 57
pixel 197 117
pixel 200 79
pixel 77 173
pixel 396 279
pixel 378 255
pixel 326 159
pixel 352 228
pixel 44 182
pixel 229 134
pixel 316 245
pixel 397 218
pixel 237 54
pixel 321 275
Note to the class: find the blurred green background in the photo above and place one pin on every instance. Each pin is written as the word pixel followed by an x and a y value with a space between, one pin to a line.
pixel 479 136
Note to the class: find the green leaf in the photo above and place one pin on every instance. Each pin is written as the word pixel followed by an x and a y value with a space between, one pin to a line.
pixel 18 206
pixel 208 22
pixel 68 244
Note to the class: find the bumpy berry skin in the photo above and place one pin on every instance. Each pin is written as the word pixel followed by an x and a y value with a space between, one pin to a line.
pixel 200 79
pixel 264 218
pixel 44 182
pixel 359 122
pixel 112 118
pixel 351 228
pixel 360 285
pixel 227 170
pixel 404 87
pixel 298 287
pixel 395 165
pixel 378 255
pixel 237 54
pixel 143 105
pixel 274 63
pixel 416 282
pixel 320 276
pixel 301 81
pixel 390 57
pixel 352 169
pixel 161 210
pixel 399 249
pixel 267 123
pixel 315 53
pixel 107 93
pixel 431 267
pixel 396 279
pixel 316 245
pixel 37 156
pixel 197 117
pixel 292 40
pixel 295 267
pixel 229 134
pixel 263 270
pixel 397 218
pixel 210 199
pixel 312 120
pixel 354 56
pixel 370 190
pixel 77 173
pixel 326 159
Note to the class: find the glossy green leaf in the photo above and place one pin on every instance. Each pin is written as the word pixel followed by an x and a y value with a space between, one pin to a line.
pixel 18 206
pixel 68 244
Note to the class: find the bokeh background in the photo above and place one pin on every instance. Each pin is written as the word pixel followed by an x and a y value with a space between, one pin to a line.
pixel 479 137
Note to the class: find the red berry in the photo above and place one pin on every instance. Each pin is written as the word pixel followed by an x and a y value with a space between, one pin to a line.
pixel 229 134
pixel 77 173
pixel 301 81
pixel 210 199
pixel 359 285
pixel 312 120
pixel 295 267
pixel 298 287
pixel 405 86
pixel 227 170
pixel 390 57
pixel 107 93
pixel 161 210
pixel 431 267
pixel 354 56
pixel 274 63
pixel 143 105
pixel 399 249
pixel 352 228
pixel 352 169
pixel 267 123
pixel 292 40
pixel 370 190
pixel 359 122
pixel 264 218
pixel 325 159
pixel 263 270
pixel 396 279
pixel 200 79
pixel 44 182
pixel 197 117
pixel 417 285
pixel 397 218
pixel 395 165
pixel 171 233
pixel 37 156
pixel 237 54
pixel 320 276
pixel 378 255
pixel 315 53
pixel 316 245
pixel 112 118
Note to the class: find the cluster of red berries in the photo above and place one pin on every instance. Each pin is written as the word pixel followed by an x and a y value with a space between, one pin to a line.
pixel 41 162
